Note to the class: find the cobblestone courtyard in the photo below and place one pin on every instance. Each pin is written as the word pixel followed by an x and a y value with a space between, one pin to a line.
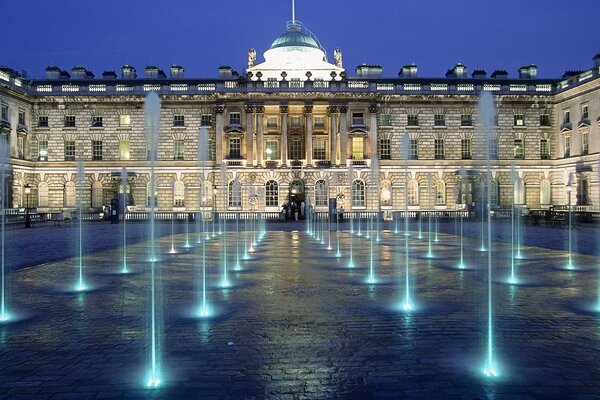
pixel 298 323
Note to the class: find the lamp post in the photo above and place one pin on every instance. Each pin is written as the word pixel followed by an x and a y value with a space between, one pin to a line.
pixel 27 217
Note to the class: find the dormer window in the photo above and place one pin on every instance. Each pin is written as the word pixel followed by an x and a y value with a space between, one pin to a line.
pixel 4 113
pixel 567 117
pixel 519 120
pixel 235 118
pixel 585 112
pixel 358 119
pixel 21 117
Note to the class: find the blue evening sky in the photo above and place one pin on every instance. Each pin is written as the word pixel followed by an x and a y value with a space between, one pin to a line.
pixel 201 35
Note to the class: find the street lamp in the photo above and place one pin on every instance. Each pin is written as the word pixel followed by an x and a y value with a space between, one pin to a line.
pixel 27 217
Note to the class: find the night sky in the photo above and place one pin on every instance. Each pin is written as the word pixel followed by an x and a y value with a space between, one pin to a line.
pixel 201 35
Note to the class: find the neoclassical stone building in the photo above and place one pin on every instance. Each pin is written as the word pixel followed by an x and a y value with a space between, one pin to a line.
pixel 297 127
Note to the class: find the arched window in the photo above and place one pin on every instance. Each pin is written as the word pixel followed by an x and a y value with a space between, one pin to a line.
pixel 97 194
pixel 413 193
pixel 321 193
pixel 271 194
pixel 70 199
pixel 206 194
pixel 43 194
pixel 545 193
pixel 519 191
pixel 386 193
pixel 358 193
pixel 235 194
pixel 440 192
pixel 178 194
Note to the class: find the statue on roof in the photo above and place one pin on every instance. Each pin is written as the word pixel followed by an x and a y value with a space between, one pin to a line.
pixel 251 58
pixel 337 56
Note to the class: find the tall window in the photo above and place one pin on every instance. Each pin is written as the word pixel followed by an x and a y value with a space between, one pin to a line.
pixel 70 199
pixel 413 193
pixel 585 142
pixel 567 146
pixel 96 122
pixel 272 150
pixel 178 120
pixel 271 194
pixel 567 117
pixel 494 193
pixel 43 150
pixel 43 121
pixel 124 150
pixel 235 194
pixel 386 193
pixel 43 194
pixel 466 120
pixel 358 148
pixel 519 120
pixel 585 112
pixel 358 193
pixel 544 119
pixel 319 150
pixel 178 194
pixel 178 150
pixel 518 149
pixel 519 191
pixel 465 148
pixel 296 149
pixel 545 192
pixel 4 113
pixel 69 150
pixel 319 122
pixel 235 145
pixel 97 194
pixel 544 149
pixel 385 149
pixel 235 118
pixel 206 120
pixel 97 150
pixel 439 120
pixel 69 121
pixel 124 121
pixel 493 148
pixel 21 146
pixel 440 192
pixel 414 149
pixel 21 116
pixel 321 193
pixel 412 120
pixel 439 149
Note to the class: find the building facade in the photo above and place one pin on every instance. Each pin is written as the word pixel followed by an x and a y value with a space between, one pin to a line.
pixel 298 128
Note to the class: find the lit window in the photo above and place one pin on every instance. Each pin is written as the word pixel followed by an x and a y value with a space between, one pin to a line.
pixel 519 120
pixel 440 192
pixel 43 121
pixel 413 193
pixel 96 150
pixel 465 149
pixel 439 120
pixel 206 120
pixel 544 119
pixel 178 120
pixel 358 152
pixel 124 121
pixel 466 120
pixel 235 148
pixel 271 194
pixel 439 149
pixel 43 150
pixel 69 121
pixel 178 150
pixel 385 150
pixel 319 122
pixel 413 120
pixel 124 150
pixel 272 150
pixel 96 122
pixel 234 194
pixel 321 194
pixel 386 193
pixel 69 150
pixel 358 193
pixel 518 150
pixel 319 150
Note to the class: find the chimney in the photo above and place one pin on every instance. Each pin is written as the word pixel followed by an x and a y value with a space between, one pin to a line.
pixel 528 72
pixel 128 72
pixel 499 74
pixel 176 72
pixel 408 71
pixel 369 71
pixel 225 72
pixel 459 71
pixel 53 73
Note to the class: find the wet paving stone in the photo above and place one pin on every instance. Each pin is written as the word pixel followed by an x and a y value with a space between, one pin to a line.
pixel 298 324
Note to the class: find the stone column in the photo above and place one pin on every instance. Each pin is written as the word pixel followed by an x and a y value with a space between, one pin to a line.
pixel 309 130
pixel 219 134
pixel 259 134
pixel 333 135
pixel 343 135
pixel 284 134
pixel 249 151
pixel 373 131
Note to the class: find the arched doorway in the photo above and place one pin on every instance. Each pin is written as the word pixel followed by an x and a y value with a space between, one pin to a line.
pixel 296 196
